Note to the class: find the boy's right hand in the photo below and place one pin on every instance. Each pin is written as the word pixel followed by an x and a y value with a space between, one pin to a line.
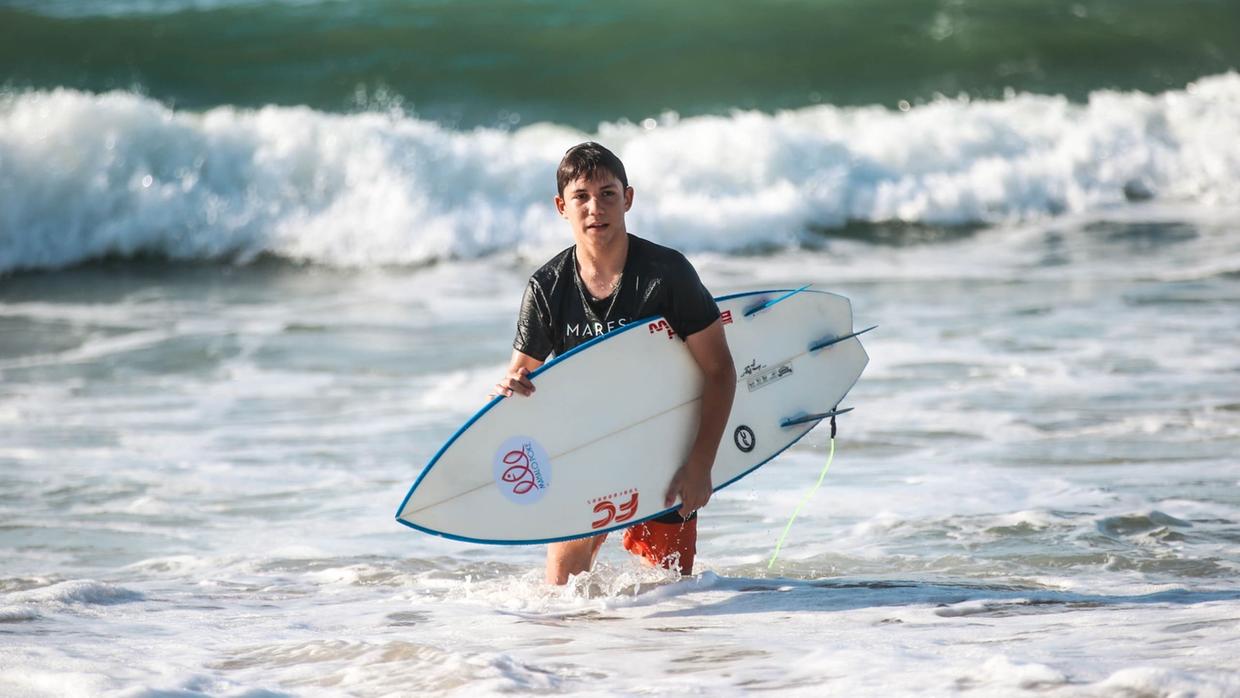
pixel 517 381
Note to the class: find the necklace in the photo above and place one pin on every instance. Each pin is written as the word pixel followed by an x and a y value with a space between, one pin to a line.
pixel 586 296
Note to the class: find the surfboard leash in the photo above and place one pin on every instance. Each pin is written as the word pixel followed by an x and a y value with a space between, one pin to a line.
pixel 808 496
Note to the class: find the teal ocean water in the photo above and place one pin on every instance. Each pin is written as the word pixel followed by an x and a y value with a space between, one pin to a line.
pixel 260 258
pixel 492 63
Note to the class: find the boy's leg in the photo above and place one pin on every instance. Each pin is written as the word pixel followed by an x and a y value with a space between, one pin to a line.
pixel 668 541
pixel 572 557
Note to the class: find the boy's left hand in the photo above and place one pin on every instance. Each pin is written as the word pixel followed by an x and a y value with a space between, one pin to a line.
pixel 692 485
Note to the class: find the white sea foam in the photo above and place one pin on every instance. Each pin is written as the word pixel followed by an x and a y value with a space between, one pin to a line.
pixel 17 614
pixel 86 175
pixel 1032 497
pixel 1150 681
pixel 121 8
pixel 75 592
pixel 23 682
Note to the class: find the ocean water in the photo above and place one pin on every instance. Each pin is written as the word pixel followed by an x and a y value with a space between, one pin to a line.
pixel 259 258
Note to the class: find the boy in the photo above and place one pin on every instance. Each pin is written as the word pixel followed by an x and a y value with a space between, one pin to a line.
pixel 607 279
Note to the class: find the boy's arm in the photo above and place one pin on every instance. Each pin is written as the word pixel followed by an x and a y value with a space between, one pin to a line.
pixel 517 379
pixel 692 483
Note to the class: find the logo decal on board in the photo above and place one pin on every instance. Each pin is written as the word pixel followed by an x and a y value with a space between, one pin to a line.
pixel 765 378
pixel 522 470
pixel 664 326
pixel 661 326
pixel 744 438
pixel 614 508
pixel 752 368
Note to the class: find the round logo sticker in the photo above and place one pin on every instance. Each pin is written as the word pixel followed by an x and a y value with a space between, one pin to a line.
pixel 744 438
pixel 522 470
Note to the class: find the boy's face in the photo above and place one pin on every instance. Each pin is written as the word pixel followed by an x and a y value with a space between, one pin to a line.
pixel 595 208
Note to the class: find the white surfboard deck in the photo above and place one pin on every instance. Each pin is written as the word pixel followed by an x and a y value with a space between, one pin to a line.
pixel 594 448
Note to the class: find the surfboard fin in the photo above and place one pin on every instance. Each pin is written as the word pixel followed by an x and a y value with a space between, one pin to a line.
pixel 793 421
pixel 828 341
pixel 768 303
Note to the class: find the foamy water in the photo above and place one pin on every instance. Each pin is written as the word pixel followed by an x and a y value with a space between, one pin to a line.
pixel 1036 493
pixel 259 258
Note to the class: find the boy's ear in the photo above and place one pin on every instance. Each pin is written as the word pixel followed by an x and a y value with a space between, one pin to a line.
pixel 559 205
pixel 628 198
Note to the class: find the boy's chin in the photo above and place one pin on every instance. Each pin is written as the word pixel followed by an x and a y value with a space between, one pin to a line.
pixel 599 233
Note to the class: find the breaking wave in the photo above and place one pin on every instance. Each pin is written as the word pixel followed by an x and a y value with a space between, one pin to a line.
pixel 85 176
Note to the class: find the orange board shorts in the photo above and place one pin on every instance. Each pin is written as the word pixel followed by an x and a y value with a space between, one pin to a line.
pixel 668 541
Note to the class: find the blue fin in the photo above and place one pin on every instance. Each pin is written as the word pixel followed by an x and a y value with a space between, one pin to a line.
pixel 824 343
pixel 793 421
pixel 766 304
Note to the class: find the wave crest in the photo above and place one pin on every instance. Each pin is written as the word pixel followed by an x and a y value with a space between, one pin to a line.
pixel 84 176
pixel 75 592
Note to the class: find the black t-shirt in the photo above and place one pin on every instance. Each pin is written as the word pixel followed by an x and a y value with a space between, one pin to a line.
pixel 558 313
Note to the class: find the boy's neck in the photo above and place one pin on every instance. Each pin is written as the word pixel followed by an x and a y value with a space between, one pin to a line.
pixel 600 264
pixel 597 258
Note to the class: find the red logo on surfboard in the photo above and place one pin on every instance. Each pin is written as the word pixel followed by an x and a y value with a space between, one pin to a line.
pixel 612 510
pixel 522 470
pixel 519 474
pixel 661 326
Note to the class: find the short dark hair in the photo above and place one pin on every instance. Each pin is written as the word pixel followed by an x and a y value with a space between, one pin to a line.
pixel 588 160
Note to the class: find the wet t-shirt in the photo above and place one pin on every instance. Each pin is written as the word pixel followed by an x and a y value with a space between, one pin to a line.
pixel 558 313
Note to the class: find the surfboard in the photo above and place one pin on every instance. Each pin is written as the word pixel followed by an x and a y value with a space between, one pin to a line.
pixel 594 448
